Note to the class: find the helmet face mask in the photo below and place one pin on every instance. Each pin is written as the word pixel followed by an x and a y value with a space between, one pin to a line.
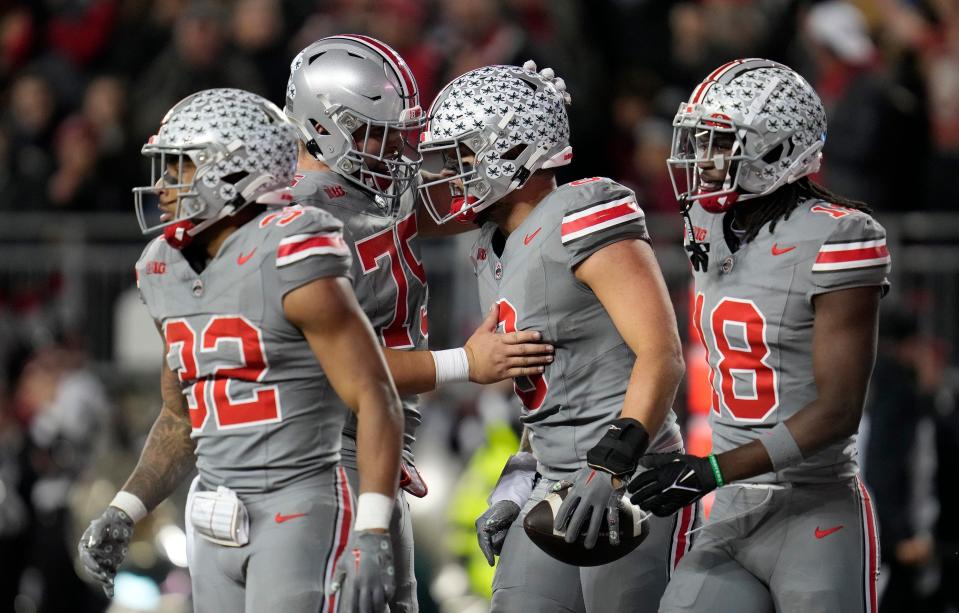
pixel 242 148
pixel 189 203
pixel 450 167
pixel 755 119
pixel 382 157
pixel 705 161
pixel 488 132
pixel 356 106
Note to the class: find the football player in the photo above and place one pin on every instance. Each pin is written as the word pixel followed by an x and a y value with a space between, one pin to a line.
pixel 575 262
pixel 788 281
pixel 356 106
pixel 261 332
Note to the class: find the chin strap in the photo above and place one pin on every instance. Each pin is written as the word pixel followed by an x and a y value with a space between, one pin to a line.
pixel 698 252
pixel 179 235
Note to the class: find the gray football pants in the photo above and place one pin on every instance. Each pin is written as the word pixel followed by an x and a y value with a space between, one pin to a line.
pixel 296 536
pixel 800 548
pixel 401 535
pixel 527 580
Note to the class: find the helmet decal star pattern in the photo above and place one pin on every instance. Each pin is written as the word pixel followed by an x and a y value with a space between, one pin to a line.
pixel 494 110
pixel 241 144
pixel 776 118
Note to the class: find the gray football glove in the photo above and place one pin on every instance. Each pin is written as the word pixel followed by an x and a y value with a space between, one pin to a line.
pixel 591 498
pixel 365 572
pixel 492 526
pixel 103 546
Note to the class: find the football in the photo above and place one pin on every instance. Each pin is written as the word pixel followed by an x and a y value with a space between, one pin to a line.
pixel 538 525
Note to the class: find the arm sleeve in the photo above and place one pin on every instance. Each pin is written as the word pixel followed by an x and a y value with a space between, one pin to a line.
pixel 311 247
pixel 598 213
pixel 853 255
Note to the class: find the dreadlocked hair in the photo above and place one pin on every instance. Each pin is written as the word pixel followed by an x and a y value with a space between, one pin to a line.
pixel 781 203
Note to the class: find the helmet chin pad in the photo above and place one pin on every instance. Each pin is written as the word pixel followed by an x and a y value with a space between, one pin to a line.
pixel 718 202
pixel 463 208
pixel 178 235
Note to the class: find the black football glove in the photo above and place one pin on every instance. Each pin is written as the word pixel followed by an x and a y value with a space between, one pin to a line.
pixel 492 526
pixel 103 546
pixel 620 449
pixel 674 481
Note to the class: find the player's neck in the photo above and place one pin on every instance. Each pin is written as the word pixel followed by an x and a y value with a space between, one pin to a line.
pixel 211 240
pixel 305 161
pixel 513 209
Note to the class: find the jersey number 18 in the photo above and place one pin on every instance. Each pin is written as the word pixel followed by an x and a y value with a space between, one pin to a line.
pixel 747 361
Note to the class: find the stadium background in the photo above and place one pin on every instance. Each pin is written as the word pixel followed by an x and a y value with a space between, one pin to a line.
pixel 85 82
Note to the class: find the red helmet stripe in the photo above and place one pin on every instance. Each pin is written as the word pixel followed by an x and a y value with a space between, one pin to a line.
pixel 719 71
pixel 410 94
pixel 714 76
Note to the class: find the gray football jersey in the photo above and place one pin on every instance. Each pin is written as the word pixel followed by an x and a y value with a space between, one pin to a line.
pixel 754 313
pixel 264 414
pixel 568 408
pixel 388 276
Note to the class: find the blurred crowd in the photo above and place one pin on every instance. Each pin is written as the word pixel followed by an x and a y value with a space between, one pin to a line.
pixel 86 82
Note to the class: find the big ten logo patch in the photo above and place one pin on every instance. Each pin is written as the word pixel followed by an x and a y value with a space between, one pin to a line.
pixel 155 268
pixel 334 191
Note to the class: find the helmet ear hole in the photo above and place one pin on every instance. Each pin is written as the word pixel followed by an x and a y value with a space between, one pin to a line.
pixel 513 153
pixel 774 154
pixel 235 177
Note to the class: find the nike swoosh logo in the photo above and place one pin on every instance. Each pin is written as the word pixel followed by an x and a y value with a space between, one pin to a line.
pixel 824 533
pixel 777 251
pixel 282 518
pixel 243 259
pixel 530 237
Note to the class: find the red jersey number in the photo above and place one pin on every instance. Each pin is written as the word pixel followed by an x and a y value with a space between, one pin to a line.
pixel 531 390
pixel 747 361
pixel 261 406
pixel 392 244
pixel 284 218
pixel 181 340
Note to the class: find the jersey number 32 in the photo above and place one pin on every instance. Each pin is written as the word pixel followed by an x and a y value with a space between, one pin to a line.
pixel 261 404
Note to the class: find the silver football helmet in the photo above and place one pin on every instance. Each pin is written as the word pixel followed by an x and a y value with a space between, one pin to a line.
pixel 244 151
pixel 756 118
pixel 347 90
pixel 511 119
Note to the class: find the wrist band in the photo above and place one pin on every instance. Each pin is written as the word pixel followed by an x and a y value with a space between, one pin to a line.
pixel 373 511
pixel 129 504
pixel 452 366
pixel 781 447
pixel 718 474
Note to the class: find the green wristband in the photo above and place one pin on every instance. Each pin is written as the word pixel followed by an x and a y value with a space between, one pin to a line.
pixel 716 472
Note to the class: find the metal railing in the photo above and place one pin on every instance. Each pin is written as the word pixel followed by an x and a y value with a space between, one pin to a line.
pixel 73 268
